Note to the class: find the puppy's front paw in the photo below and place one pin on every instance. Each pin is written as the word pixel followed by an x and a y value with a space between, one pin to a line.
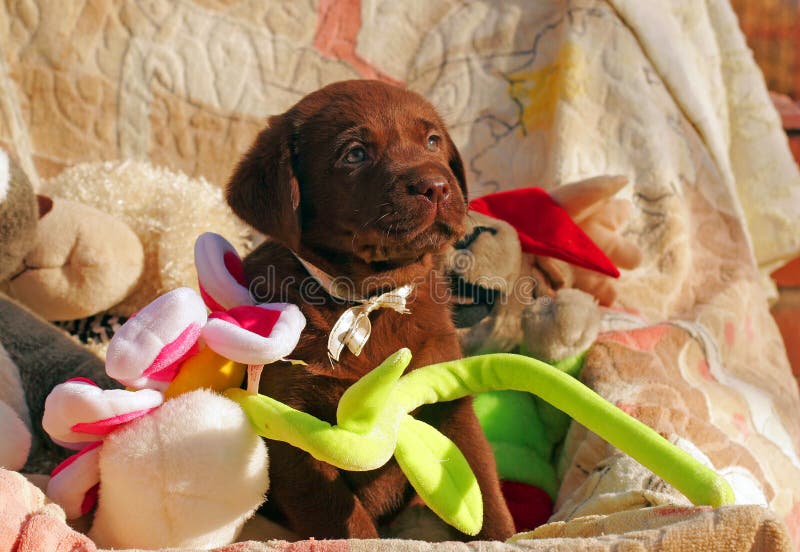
pixel 418 522
pixel 562 326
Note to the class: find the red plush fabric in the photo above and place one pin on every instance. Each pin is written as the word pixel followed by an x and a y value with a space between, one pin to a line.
pixel 544 228
pixel 530 506
pixel 254 319
pixel 172 355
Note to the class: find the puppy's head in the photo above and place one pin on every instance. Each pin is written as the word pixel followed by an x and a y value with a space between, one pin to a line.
pixel 359 168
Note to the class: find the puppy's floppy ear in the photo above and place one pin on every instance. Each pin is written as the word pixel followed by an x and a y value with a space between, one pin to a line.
pixel 456 165
pixel 263 190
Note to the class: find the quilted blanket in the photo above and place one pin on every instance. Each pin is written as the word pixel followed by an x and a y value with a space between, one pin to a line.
pixel 536 92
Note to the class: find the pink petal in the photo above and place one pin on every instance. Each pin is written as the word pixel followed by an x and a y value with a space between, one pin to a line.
pixel 73 484
pixel 224 316
pixel 253 319
pixel 174 353
pixel 235 266
pixel 90 499
pixel 74 406
pixel 162 335
pixel 70 460
pixel 255 334
pixel 106 426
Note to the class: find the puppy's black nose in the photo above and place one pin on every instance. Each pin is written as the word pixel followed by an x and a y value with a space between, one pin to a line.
pixel 435 190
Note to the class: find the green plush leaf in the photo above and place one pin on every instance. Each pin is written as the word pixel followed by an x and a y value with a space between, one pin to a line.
pixel 333 444
pixel 440 474
pixel 375 415
pixel 363 403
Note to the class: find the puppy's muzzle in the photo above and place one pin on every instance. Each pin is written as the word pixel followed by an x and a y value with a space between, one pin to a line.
pixel 435 190
pixel 430 184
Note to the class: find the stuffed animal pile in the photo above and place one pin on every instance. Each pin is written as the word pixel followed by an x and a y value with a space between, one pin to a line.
pixel 66 259
pixel 166 210
pixel 170 443
pixel 135 453
pixel 47 258
pixel 61 258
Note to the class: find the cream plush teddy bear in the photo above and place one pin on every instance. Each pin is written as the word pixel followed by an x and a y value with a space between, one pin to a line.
pixel 60 258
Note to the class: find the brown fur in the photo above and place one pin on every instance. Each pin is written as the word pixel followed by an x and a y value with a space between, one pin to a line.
pixel 381 223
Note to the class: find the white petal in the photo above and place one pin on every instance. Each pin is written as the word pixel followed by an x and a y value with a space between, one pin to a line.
pixel 76 402
pixel 246 347
pixel 213 275
pixel 69 486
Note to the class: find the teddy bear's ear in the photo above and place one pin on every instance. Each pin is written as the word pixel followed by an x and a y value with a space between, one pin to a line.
pixel 45 205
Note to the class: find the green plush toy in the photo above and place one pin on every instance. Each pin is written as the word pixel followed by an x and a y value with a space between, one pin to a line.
pixel 373 424
pixel 525 432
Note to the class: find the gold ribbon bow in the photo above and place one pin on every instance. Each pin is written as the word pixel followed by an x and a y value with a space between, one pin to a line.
pixel 353 328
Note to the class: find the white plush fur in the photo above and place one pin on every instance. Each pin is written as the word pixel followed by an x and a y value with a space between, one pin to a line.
pixel 5 175
pixel 15 435
pixel 167 210
pixel 11 391
pixel 187 475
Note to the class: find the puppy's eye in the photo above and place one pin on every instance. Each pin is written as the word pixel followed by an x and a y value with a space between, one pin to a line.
pixel 356 155
pixel 433 142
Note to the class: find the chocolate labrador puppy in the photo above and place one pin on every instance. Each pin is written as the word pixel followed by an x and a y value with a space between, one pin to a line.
pixel 361 180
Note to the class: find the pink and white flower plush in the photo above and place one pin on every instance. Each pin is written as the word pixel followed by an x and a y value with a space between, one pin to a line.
pixel 149 351
pixel 239 329
pixel 78 415
pixel 254 334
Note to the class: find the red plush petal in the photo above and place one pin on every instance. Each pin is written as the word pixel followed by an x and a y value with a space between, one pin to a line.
pixel 544 227
pixel 166 364
pixel 90 499
pixel 529 506
pixel 223 315
pixel 235 266
pixel 106 426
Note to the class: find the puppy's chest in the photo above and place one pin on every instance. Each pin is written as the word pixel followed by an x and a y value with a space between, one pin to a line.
pixel 275 275
pixel 426 330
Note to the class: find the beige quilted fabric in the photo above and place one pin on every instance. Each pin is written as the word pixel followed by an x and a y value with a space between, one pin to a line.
pixel 536 93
